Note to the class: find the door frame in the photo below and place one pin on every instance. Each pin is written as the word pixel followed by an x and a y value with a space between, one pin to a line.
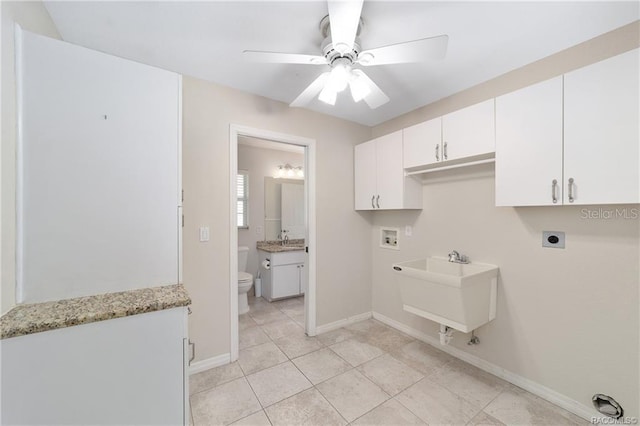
pixel 235 131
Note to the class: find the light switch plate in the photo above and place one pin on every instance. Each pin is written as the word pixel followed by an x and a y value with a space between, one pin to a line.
pixel 408 231
pixel 204 234
pixel 553 239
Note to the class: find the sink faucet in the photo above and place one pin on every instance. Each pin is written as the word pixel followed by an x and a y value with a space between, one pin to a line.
pixel 456 257
pixel 283 237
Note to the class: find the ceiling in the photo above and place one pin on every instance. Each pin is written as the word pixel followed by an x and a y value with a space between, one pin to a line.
pixel 206 40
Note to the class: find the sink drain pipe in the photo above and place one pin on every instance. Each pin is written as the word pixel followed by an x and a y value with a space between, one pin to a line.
pixel 446 334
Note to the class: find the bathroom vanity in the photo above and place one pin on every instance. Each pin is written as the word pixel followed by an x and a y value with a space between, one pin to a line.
pixel 282 269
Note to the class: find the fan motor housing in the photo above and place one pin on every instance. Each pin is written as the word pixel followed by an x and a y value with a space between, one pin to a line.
pixel 327 46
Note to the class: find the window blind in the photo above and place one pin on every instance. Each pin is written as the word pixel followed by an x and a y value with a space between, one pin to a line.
pixel 242 189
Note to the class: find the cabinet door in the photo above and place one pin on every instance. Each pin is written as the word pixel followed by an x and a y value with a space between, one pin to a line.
pixel 285 281
pixel 265 275
pixel 365 175
pixel 469 131
pixel 421 143
pixel 529 145
pixel 121 371
pixel 601 132
pixel 390 171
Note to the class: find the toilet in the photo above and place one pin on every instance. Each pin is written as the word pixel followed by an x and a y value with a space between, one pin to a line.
pixel 245 280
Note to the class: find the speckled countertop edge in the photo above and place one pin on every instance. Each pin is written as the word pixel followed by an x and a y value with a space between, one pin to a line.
pixel 37 317
pixel 276 246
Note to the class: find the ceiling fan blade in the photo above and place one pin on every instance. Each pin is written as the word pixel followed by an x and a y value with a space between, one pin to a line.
pixel 344 18
pixel 283 58
pixel 408 52
pixel 376 96
pixel 311 91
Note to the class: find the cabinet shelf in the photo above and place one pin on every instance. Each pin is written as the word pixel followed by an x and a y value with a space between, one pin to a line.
pixel 474 160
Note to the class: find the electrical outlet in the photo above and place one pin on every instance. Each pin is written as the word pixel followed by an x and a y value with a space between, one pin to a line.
pixel 553 239
pixel 408 231
pixel 258 230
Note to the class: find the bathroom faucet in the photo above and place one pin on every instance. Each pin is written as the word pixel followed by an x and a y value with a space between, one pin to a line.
pixel 283 237
pixel 456 257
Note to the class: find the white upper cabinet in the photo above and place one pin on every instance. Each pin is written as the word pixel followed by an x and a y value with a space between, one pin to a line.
pixel 422 143
pixel 469 132
pixel 583 152
pixel 380 182
pixel 529 145
pixel 463 136
pixel 365 175
pixel 601 138
pixel 390 177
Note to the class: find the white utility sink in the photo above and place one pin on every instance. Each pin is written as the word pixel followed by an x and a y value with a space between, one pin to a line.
pixel 461 296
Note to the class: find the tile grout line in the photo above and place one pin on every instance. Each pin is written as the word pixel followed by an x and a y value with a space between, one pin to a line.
pixel 314 386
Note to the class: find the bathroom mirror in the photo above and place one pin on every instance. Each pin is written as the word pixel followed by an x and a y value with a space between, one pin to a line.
pixel 283 207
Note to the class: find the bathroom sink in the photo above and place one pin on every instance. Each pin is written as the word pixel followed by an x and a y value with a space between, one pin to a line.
pixel 460 296
pixel 440 270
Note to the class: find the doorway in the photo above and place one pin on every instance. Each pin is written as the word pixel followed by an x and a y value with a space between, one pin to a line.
pixel 237 132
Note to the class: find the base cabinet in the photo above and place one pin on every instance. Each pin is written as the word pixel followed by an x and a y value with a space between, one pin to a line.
pixel 129 370
pixel 286 276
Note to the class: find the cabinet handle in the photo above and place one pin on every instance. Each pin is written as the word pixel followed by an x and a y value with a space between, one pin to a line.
pixel 437 152
pixel 193 351
pixel 444 151
pixel 378 201
pixel 554 186
pixel 372 198
pixel 571 190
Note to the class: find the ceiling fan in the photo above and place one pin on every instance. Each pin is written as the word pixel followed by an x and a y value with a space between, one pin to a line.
pixel 341 51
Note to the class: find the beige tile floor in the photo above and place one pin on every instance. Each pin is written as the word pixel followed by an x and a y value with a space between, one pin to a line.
pixel 362 374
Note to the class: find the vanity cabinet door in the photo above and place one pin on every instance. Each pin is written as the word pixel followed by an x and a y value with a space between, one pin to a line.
pixel 287 281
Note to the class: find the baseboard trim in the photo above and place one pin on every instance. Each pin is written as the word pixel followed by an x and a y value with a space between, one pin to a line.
pixel 341 323
pixel 208 363
pixel 535 388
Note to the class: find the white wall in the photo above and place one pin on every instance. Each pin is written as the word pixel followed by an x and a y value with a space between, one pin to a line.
pixel 567 319
pixel 260 163
pixel 343 282
pixel 34 17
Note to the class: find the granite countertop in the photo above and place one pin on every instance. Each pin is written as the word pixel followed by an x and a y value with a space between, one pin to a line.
pixel 37 317
pixel 277 247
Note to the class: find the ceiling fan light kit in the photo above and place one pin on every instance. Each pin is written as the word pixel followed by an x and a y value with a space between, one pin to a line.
pixel 341 51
